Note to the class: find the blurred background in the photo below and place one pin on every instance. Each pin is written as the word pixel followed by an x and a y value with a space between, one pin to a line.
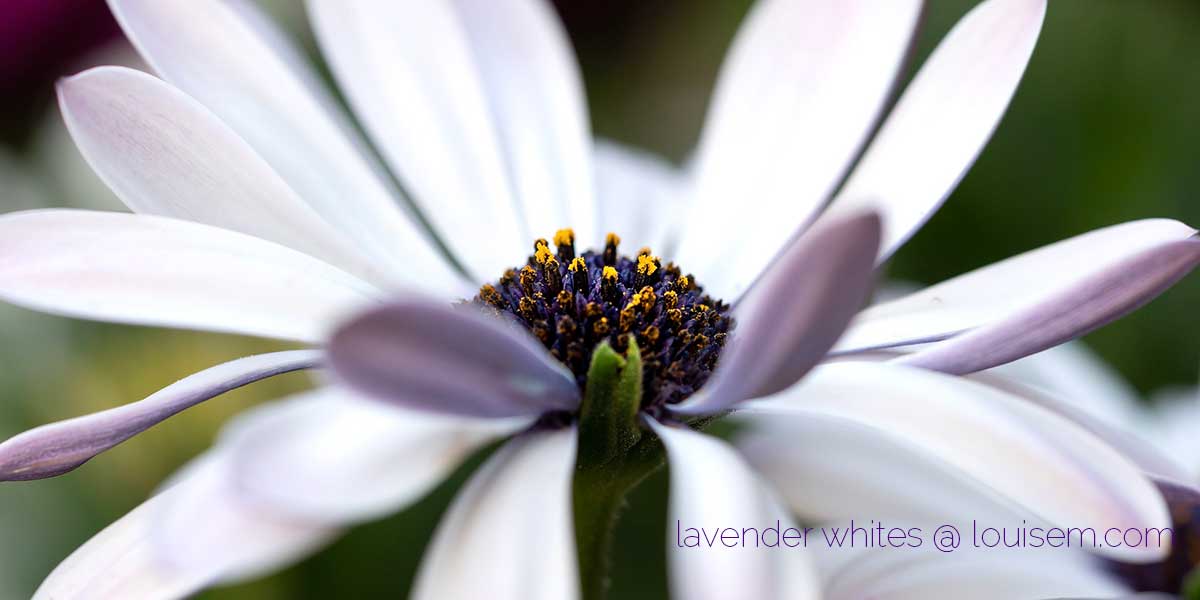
pixel 1103 129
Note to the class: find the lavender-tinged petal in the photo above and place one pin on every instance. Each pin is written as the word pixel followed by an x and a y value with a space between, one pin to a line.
pixel 712 487
pixel 993 292
pixel 454 360
pixel 509 534
pixel 59 448
pixel 1073 312
pixel 793 316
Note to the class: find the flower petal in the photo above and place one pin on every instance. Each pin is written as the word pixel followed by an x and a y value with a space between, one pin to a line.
pixel 61 447
pixel 874 476
pixel 509 534
pixel 1040 461
pixel 996 291
pixel 1071 312
pixel 165 154
pixel 329 455
pixel 997 574
pixel 121 562
pixel 157 271
pixel 207 526
pixel 713 488
pixel 640 197
pixel 944 118
pixel 128 559
pixel 228 61
pixel 1153 460
pixel 454 360
pixel 794 315
pixel 536 96
pixel 408 71
pixel 798 96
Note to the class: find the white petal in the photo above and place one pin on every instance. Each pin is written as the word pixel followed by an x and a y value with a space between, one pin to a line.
pixel 158 271
pixel 229 63
pixel 165 154
pixel 640 197
pixel 206 525
pixel 993 292
pixel 1144 449
pixel 129 558
pixel 833 469
pixel 535 93
pixel 926 574
pixel 330 455
pixel 1171 424
pixel 408 71
pixel 1078 376
pixel 122 562
pixel 1034 458
pixel 509 534
pixel 944 118
pixel 800 92
pixel 713 488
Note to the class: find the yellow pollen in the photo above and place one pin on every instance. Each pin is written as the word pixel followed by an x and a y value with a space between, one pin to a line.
pixel 564 237
pixel 646 265
pixel 645 251
pixel 612 239
pixel 684 283
pixel 543 254
pixel 609 273
pixel 577 265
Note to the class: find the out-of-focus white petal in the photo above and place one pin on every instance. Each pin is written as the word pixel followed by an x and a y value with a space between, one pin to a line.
pixel 509 534
pixel 873 476
pixel 167 547
pixel 1172 424
pixel 927 574
pixel 1038 460
pixel 330 455
pixel 1074 373
pixel 165 154
pixel 158 271
pixel 228 62
pixel 713 488
pixel 122 562
pixel 944 118
pixel 996 291
pixel 801 90
pixel 207 526
pixel 536 97
pixel 640 197
pixel 407 69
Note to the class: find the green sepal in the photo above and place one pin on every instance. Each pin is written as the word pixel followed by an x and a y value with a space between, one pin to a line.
pixel 613 457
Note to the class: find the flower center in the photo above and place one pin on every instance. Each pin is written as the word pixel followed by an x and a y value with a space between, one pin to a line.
pixel 1179 572
pixel 573 302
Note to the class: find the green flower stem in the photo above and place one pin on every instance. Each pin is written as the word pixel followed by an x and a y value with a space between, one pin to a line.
pixel 613 458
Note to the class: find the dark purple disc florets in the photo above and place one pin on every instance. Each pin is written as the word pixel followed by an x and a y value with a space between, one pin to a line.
pixel 573 302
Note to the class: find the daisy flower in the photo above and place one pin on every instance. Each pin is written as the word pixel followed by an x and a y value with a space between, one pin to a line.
pixel 261 212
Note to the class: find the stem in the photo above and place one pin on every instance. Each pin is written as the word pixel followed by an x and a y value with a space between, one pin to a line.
pixel 613 458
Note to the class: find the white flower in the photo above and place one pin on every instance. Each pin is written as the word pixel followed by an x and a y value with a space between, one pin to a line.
pixel 260 213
